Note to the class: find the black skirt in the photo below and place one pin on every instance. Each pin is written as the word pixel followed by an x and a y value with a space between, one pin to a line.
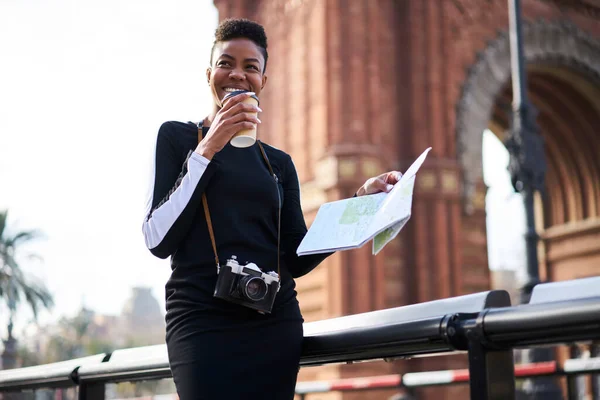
pixel 256 362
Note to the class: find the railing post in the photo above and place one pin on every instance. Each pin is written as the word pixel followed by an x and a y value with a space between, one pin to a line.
pixel 572 390
pixel 491 370
pixel 92 391
pixel 575 383
pixel 595 352
pixel 491 373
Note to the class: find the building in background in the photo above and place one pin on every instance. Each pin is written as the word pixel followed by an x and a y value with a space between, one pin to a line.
pixel 141 323
pixel 360 87
pixel 142 318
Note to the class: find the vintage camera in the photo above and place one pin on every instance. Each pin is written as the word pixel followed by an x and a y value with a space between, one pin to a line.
pixel 247 285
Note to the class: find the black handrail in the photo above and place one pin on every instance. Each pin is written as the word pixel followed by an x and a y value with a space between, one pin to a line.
pixel 544 323
pixel 396 332
pixel 150 362
pixel 483 324
pixel 55 375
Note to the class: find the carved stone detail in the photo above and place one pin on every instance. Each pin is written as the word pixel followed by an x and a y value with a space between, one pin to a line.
pixel 586 7
pixel 555 43
pixel 449 182
pixel 427 181
pixel 463 14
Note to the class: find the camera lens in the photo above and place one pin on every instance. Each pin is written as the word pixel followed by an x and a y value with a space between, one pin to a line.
pixel 254 288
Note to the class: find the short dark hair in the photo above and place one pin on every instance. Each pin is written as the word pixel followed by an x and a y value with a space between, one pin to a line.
pixel 233 28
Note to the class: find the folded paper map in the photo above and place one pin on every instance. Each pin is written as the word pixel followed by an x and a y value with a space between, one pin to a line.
pixel 350 223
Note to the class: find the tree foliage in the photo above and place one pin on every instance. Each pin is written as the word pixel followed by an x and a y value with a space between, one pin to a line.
pixel 14 285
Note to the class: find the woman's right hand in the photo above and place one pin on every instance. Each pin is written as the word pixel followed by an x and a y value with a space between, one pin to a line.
pixel 233 117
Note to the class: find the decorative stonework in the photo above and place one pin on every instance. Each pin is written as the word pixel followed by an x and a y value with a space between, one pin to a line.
pixel 572 241
pixel 463 14
pixel 370 168
pixel 347 168
pixel 427 181
pixel 585 7
pixel 449 182
pixel 550 43
pixel 479 201
pixel 292 5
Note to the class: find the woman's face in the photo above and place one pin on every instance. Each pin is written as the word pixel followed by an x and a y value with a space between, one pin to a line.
pixel 238 64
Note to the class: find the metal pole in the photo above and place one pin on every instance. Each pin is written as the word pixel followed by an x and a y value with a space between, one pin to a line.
pixel 575 383
pixel 491 373
pixel 527 167
pixel 572 392
pixel 595 352
pixel 92 391
pixel 527 164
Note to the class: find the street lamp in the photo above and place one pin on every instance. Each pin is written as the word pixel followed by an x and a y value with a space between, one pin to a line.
pixel 527 167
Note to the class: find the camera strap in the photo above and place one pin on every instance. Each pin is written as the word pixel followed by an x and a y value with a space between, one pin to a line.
pixel 207 213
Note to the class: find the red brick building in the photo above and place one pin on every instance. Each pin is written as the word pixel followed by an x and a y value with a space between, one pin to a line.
pixel 357 87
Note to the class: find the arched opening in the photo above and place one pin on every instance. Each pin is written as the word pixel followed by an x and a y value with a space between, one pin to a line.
pixel 569 113
pixel 568 105
pixel 564 86
pixel 568 213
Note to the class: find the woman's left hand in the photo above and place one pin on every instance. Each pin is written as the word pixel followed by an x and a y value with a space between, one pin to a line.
pixel 382 183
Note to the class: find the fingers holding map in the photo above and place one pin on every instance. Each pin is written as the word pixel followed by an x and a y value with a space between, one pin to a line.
pixel 350 223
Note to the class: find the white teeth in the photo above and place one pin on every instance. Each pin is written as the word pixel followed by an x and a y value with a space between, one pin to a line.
pixel 231 89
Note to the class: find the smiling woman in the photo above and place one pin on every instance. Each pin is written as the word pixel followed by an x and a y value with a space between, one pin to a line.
pixel 211 201
pixel 240 60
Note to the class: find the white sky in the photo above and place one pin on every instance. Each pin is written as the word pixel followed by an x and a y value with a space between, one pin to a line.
pixel 84 86
pixel 505 213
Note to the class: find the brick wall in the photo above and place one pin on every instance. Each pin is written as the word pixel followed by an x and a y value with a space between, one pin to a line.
pixel 360 87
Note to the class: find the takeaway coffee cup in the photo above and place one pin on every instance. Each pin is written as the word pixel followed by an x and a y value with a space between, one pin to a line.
pixel 246 137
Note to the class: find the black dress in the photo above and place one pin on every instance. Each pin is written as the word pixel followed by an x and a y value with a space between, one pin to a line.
pixel 217 349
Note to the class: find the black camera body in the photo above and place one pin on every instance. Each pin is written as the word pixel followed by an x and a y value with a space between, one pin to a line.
pixel 247 285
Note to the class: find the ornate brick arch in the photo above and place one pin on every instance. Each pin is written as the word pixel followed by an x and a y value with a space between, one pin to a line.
pixel 549 43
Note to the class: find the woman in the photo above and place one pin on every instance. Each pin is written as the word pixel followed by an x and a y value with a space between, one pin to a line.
pixel 219 349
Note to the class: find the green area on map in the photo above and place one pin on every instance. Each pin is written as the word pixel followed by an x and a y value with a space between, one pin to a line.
pixel 382 238
pixel 357 208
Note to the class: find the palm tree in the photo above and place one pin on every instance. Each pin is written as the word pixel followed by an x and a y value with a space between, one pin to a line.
pixel 14 286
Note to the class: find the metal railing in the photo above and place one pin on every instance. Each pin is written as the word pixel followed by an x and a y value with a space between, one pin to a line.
pixel 483 324
pixel 571 369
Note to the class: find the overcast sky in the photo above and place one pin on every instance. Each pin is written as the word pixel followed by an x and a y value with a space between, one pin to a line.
pixel 84 87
